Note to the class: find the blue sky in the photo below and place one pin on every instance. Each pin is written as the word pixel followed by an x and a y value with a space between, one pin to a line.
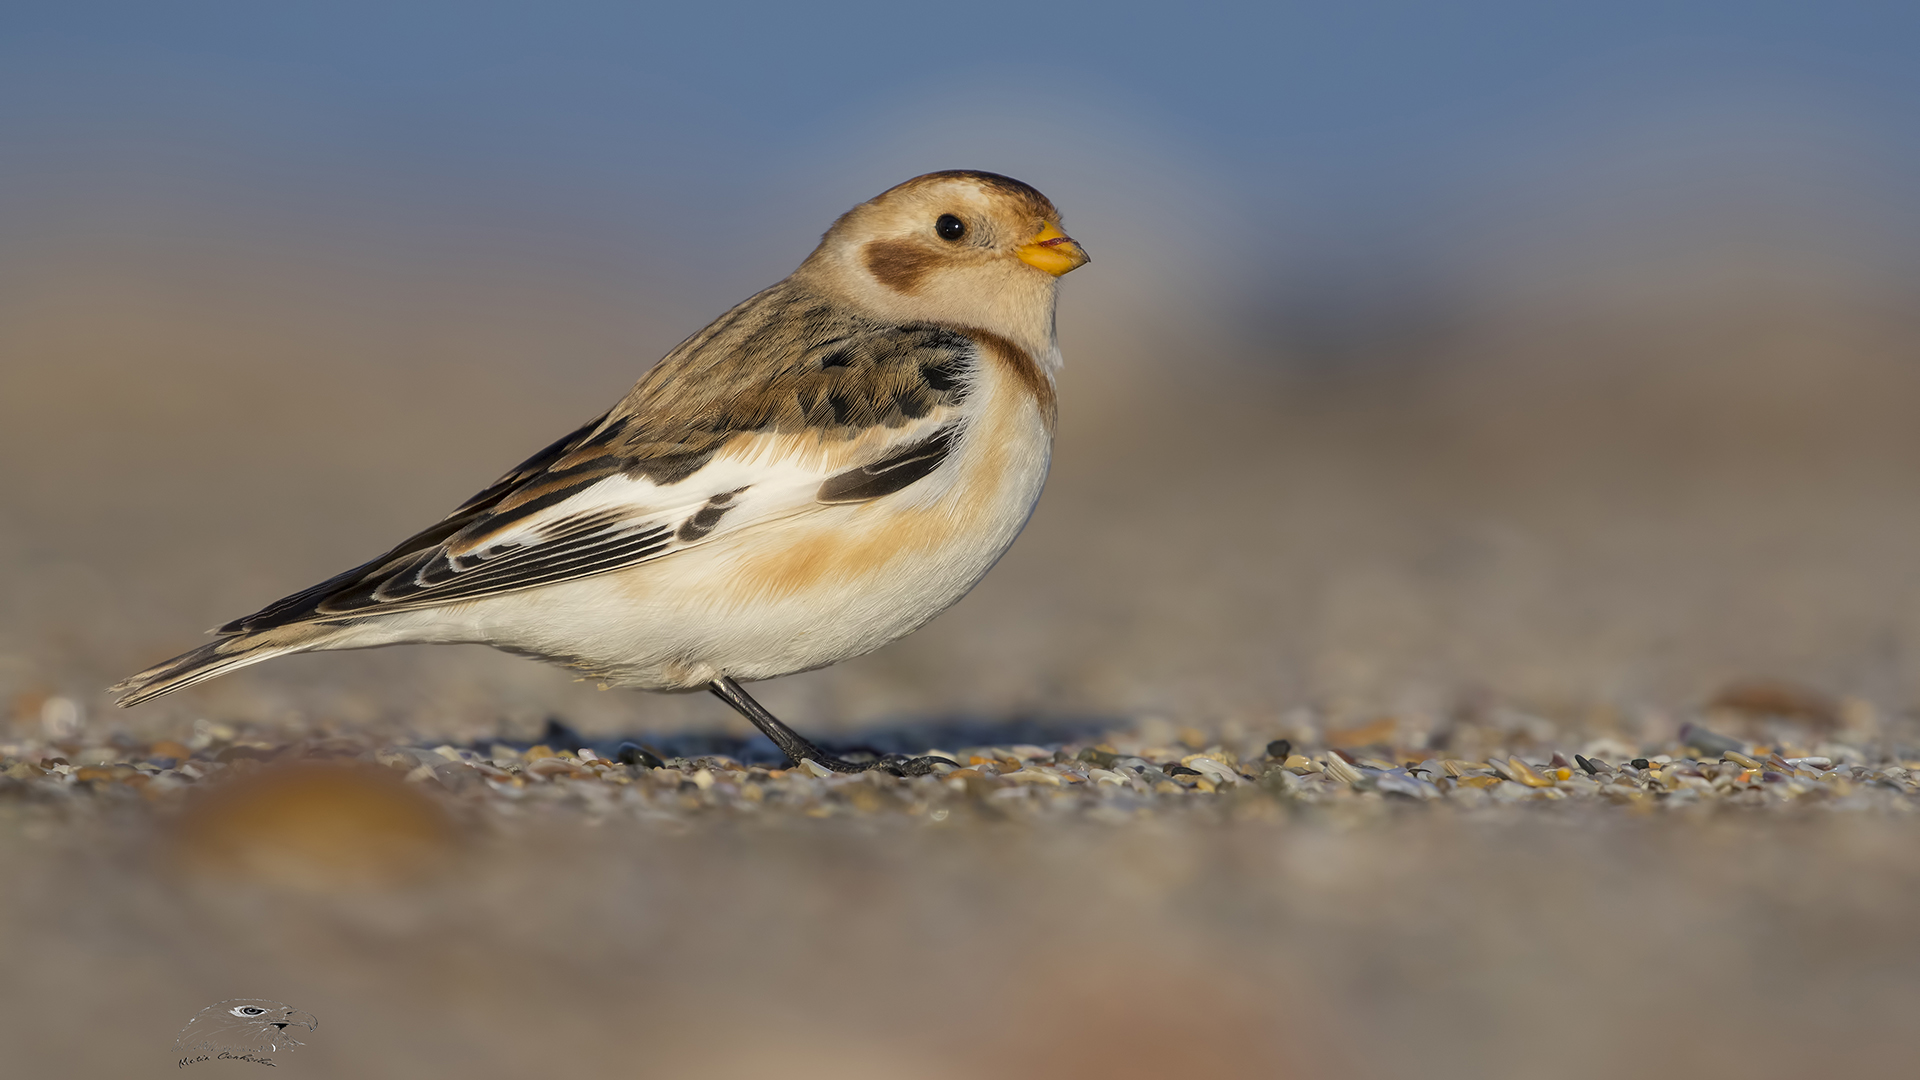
pixel 1332 126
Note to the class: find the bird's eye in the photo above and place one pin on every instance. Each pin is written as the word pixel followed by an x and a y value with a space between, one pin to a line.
pixel 950 227
pixel 248 1010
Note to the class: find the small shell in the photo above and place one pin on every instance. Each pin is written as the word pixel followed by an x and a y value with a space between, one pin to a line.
pixel 1211 769
pixel 1523 773
pixel 1338 769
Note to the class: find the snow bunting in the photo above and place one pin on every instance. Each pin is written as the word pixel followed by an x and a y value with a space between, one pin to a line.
pixel 822 470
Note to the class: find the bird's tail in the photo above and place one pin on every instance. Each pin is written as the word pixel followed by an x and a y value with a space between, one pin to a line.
pixel 213 658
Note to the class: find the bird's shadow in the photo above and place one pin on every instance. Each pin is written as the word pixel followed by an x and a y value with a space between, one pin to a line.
pixel 908 737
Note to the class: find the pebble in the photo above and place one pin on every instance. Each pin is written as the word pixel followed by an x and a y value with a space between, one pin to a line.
pixel 1211 768
pixel 1524 773
pixel 1337 767
pixel 632 753
pixel 1710 741
pixel 547 768
pixel 318 826
pixel 1401 782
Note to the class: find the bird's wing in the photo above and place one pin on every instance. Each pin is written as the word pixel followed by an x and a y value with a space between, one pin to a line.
pixel 838 410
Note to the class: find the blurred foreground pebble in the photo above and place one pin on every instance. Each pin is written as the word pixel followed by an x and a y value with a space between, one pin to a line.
pixel 313 825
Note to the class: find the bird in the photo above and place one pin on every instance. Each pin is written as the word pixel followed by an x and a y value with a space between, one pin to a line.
pixel 820 471
pixel 244 1025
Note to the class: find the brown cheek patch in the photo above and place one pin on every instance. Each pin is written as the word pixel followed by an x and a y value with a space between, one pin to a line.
pixel 899 264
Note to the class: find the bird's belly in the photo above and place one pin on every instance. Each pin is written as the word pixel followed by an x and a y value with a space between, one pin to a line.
pixel 834 583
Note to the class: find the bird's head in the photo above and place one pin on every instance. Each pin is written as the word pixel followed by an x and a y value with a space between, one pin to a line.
pixel 246 1024
pixel 961 247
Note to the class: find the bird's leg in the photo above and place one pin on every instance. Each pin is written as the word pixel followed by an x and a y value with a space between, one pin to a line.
pixel 790 742
pixel 798 749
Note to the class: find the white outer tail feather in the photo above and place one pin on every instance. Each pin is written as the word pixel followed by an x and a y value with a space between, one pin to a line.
pixel 205 662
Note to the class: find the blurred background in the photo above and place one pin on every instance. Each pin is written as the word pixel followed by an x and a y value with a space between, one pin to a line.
pixel 1560 357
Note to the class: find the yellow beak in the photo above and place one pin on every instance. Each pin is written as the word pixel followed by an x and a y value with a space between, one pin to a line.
pixel 1052 251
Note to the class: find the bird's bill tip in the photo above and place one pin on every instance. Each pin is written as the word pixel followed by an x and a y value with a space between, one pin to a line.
pixel 1053 251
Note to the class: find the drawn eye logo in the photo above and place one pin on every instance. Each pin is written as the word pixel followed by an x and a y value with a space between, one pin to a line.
pixel 244 1025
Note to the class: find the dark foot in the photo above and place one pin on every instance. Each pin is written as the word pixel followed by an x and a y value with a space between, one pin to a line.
pixel 799 749
pixel 899 765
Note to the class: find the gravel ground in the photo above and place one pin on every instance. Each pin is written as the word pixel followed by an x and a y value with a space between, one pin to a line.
pixel 1130 904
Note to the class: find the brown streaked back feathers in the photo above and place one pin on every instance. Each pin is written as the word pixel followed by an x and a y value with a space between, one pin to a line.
pixel 788 361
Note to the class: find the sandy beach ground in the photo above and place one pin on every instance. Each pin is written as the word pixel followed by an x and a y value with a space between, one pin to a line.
pixel 1567 508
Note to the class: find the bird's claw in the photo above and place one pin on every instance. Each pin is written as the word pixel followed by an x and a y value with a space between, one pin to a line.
pixel 900 765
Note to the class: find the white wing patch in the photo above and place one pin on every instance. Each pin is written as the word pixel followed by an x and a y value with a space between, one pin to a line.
pixel 610 524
